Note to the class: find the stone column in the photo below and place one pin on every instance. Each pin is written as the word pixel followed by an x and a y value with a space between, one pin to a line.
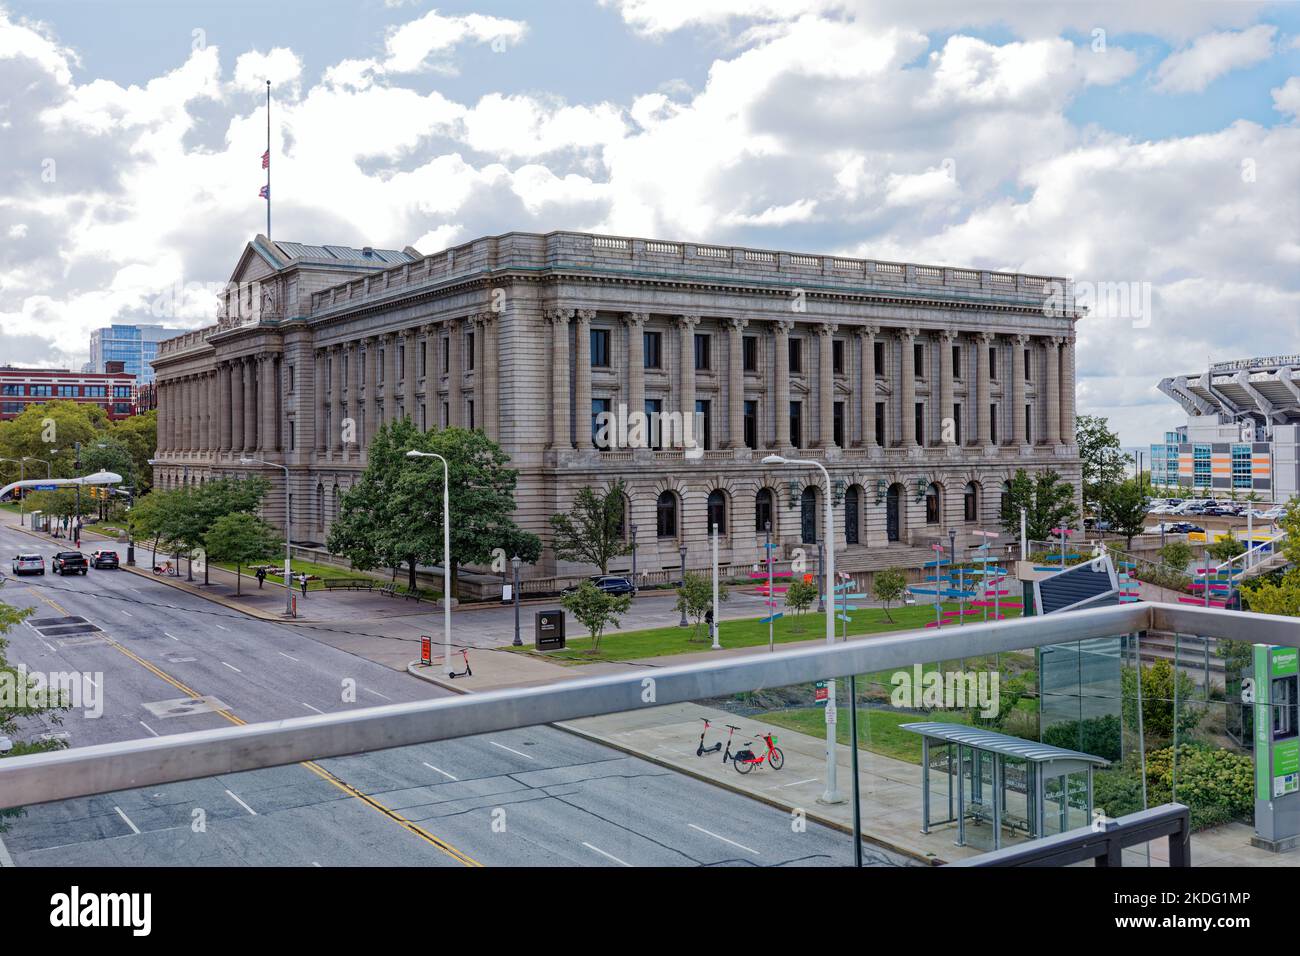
pixel 336 400
pixel 1067 391
pixel 634 322
pixel 214 412
pixel 867 392
pixel 947 408
pixel 489 403
pixel 560 426
pixel 781 347
pixel 392 377
pixel 736 382
pixel 410 371
pixel 907 387
pixel 250 405
pixel 225 400
pixel 1053 387
pixel 983 413
pixel 360 439
pixel 318 402
pixel 236 369
pixel 582 377
pixel 826 384
pixel 432 370
pixel 1018 429
pixel 455 371
pixel 183 444
pixel 686 325
pixel 266 397
pixel 368 408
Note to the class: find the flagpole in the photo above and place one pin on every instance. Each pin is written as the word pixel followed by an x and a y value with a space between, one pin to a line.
pixel 268 162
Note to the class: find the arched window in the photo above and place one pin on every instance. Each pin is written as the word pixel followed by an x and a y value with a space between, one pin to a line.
pixel 625 508
pixel 971 502
pixel 718 511
pixel 666 515
pixel 933 497
pixel 764 510
pixel 851 500
pixel 808 515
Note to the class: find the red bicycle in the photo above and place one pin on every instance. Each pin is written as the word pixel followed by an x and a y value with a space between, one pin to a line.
pixel 745 760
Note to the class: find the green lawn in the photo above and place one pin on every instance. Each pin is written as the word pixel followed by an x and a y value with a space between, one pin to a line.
pixel 664 641
pixel 320 573
pixel 877 729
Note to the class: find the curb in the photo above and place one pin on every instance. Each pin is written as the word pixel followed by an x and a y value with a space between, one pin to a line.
pixel 420 671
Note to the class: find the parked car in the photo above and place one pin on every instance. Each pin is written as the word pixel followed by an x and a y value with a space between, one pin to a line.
pixel 609 583
pixel 1183 527
pixel 69 562
pixel 106 560
pixel 28 564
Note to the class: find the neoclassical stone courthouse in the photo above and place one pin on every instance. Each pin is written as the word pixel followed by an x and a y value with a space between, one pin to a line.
pixel 921 388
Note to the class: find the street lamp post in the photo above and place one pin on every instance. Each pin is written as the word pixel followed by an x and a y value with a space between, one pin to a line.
pixel 634 584
pixel 716 645
pixel 514 593
pixel 77 519
pixel 288 530
pixel 683 622
pixel 832 790
pixel 446 553
pixel 130 535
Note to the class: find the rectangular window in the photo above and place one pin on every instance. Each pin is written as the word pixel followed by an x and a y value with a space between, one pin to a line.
pixel 796 424
pixel 702 427
pixel 837 357
pixel 1201 466
pixel 652 345
pixel 446 355
pixel 424 417
pixel 956 361
pixel 446 415
pixel 600 348
pixel 1029 423
pixel 920 423
pixel 469 410
pixel 1028 366
pixel 751 424
pixel 1241 466
pixel 123 391
pixel 918 359
pixel 47 391
pixel 600 406
pixel 993 362
pixel 288 373
pixel 401 361
pixel 293 434
pixel 654 431
pixel 11 390
pixel 749 345
pixel 380 377
pixel 837 425
pixel 881 437
pixel 703 356
pixel 878 350
pixel 424 357
pixel 67 391
pixel 89 391
pixel 993 423
pixel 469 351
pixel 796 356
pixel 956 423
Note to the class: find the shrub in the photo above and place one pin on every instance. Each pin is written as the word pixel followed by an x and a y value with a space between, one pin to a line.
pixel 1218 783
pixel 1099 736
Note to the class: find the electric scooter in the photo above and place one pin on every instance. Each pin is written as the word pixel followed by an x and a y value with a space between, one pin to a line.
pixel 701 750
pixel 727 755
pixel 466 672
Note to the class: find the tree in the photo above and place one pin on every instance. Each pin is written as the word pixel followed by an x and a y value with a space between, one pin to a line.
pixel 695 597
pixel 1158 700
pixel 242 538
pixel 16 709
pixel 1101 460
pixel 1048 501
pixel 393 515
pixel 139 436
pixel 1226 548
pixel 592 531
pixel 1177 555
pixel 60 504
pixel 800 595
pixel 1124 504
pixel 889 586
pixel 595 610
pixel 51 432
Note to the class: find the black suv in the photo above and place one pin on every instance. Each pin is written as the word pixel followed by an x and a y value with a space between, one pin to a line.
pixel 614 584
pixel 104 559
pixel 69 562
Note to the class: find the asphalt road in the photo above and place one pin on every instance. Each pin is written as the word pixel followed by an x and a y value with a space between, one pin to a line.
pixel 166 662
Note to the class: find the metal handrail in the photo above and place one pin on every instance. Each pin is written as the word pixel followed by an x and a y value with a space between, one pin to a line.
pixel 1105 844
pixel 105 768
pixel 1246 565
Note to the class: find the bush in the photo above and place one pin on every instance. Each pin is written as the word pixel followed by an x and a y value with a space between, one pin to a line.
pixel 1099 736
pixel 1177 555
pixel 1218 783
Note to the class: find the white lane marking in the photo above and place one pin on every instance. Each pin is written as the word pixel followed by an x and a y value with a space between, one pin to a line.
pixel 134 829
pixel 172 636
pixel 741 846
pixel 310 707
pixel 222 626
pixel 314 863
pixel 376 693
pixel 5 858
pixel 133 588
pixel 148 728
pixel 511 749
pixel 233 796
pixel 798 782
pixel 606 855
pixel 440 770
pixel 294 659
pixel 233 668
pixel 126 613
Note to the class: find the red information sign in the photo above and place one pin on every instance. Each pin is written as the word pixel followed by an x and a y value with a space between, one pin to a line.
pixel 426 649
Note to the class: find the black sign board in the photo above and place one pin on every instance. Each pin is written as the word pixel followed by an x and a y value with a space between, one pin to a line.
pixel 548 634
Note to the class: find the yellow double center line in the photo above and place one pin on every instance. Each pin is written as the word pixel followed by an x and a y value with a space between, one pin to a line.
pixel 311 765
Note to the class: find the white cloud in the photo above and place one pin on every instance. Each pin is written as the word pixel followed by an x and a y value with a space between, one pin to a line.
pixel 280 65
pixel 1212 56
pixel 1286 98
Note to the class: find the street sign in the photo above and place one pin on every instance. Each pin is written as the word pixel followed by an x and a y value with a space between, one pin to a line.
pixel 44 487
pixel 548 631
pixel 820 693
pixel 769 620
pixel 426 649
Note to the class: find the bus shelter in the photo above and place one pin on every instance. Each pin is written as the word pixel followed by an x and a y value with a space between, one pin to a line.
pixel 1003 781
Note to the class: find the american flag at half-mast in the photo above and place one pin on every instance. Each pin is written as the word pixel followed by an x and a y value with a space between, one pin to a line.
pixel 266 160
pixel 265 192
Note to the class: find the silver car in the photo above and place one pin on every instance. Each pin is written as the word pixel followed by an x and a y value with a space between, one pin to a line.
pixel 29 564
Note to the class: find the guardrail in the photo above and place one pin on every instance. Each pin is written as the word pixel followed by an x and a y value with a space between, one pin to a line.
pixel 105 768
pixel 1104 846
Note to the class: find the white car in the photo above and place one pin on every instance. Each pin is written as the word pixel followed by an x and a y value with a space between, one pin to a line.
pixel 29 564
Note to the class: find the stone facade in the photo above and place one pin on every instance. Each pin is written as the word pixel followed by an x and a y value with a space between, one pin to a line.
pixel 920 388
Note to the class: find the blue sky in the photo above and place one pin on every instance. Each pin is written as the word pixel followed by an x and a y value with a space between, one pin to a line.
pixel 965 132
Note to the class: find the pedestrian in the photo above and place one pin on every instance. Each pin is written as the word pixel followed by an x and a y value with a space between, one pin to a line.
pixel 302 579
pixel 708 619
pixel 261 576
